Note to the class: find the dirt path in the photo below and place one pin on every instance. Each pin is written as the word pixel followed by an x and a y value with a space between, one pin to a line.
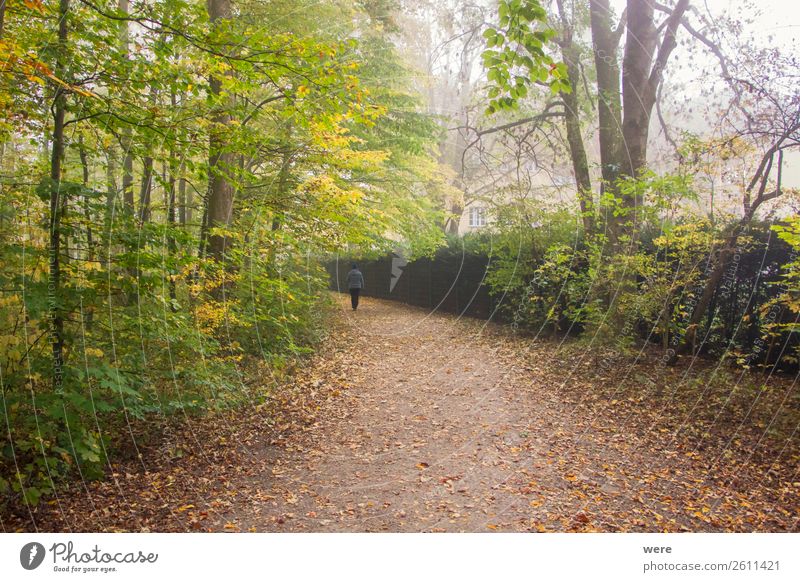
pixel 416 421
pixel 448 424
pixel 433 434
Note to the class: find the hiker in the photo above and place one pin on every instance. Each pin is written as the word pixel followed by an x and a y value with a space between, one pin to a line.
pixel 355 282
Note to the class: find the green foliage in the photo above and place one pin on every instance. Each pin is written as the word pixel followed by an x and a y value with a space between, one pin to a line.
pixel 516 56
pixel 551 278
pixel 780 316
pixel 533 267
pixel 329 152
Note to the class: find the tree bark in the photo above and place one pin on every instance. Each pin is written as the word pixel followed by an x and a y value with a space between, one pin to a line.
pixel 86 200
pixel 184 200
pixel 170 203
pixel 580 165
pixel 127 173
pixel 56 203
pixel 125 140
pixel 111 181
pixel 642 71
pixel 454 221
pixel 221 162
pixel 146 190
pixel 606 43
pixel 639 49
pixel 87 215
pixel 172 167
pixel 2 17
pixel 625 117
pixel 720 264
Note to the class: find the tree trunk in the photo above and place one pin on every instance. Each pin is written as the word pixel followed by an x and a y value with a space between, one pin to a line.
pixel 203 250
pixel 2 17
pixel 721 262
pixel 125 139
pixel 111 200
pixel 452 150
pixel 185 200
pixel 111 181
pixel 86 200
pixel 87 215
pixel 127 172
pixel 173 168
pixel 605 43
pixel 624 124
pixel 182 201
pixel 221 162
pixel 171 246
pixel 639 49
pixel 146 190
pixel 580 165
pixel 56 204
pixel 457 211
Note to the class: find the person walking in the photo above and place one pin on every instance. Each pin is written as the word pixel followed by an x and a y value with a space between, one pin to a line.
pixel 355 282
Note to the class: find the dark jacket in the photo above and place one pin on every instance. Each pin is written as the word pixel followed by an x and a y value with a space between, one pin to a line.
pixel 355 280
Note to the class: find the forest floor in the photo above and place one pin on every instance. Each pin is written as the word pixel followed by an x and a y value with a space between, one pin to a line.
pixel 414 421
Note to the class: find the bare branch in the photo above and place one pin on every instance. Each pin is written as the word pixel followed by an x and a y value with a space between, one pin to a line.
pixel 540 117
pixel 717 52
pixel 663 122
pixel 667 46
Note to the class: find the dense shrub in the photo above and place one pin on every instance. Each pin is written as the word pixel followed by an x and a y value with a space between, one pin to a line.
pixel 550 284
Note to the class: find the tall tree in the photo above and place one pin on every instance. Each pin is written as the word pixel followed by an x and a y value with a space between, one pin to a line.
pixel 56 193
pixel 571 54
pixel 221 159
pixel 624 113
pixel 625 98
pixel 126 138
